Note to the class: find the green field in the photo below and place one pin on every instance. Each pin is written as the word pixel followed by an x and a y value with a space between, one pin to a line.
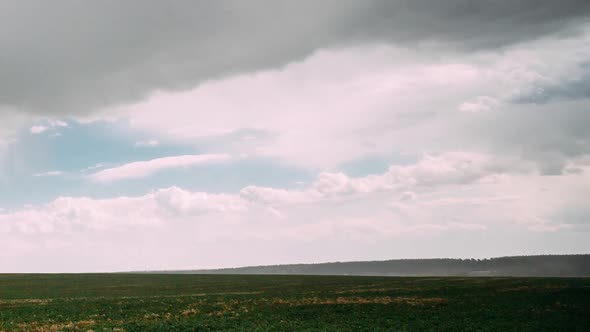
pixel 168 302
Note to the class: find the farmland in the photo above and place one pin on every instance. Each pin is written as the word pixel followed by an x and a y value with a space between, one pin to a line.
pixel 176 302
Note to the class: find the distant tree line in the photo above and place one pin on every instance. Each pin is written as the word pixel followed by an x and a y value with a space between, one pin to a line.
pixel 542 266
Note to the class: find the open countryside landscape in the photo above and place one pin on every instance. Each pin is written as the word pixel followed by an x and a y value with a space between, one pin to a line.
pixel 184 301
pixel 152 302
pixel 294 165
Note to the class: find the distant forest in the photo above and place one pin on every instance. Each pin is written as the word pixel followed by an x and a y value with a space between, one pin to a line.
pixel 522 266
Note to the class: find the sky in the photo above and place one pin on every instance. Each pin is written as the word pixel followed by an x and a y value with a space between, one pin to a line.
pixel 152 135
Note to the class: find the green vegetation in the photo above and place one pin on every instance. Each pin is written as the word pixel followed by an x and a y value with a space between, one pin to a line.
pixel 169 302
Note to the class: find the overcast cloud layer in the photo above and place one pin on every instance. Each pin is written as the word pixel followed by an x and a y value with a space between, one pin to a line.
pixel 69 57
pixel 143 134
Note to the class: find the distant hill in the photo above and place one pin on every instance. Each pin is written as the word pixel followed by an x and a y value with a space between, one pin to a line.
pixel 521 266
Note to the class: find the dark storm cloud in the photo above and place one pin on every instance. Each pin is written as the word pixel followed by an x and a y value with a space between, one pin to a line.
pixel 549 134
pixel 576 212
pixel 548 123
pixel 70 57
pixel 568 89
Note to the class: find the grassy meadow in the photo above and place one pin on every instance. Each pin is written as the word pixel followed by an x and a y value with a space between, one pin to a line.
pixel 176 302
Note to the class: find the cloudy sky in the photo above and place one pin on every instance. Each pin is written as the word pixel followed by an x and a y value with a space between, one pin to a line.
pixel 196 134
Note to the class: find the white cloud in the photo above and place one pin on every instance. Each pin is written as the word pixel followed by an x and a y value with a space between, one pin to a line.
pixel 165 228
pixel 455 168
pixel 479 104
pixel 93 167
pixel 183 202
pixel 272 196
pixel 460 190
pixel 432 173
pixel 57 123
pixel 340 105
pixel 404 182
pixel 334 107
pixel 50 173
pixel 489 123
pixel 38 129
pixel 70 213
pixel 147 143
pixel 4 142
pixel 140 169
pixel 51 124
